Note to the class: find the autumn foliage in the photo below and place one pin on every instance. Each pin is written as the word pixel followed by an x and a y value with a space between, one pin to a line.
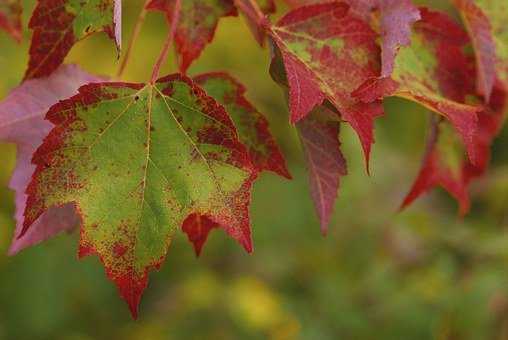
pixel 132 163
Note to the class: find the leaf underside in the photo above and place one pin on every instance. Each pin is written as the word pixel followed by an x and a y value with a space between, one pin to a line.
pixel 22 123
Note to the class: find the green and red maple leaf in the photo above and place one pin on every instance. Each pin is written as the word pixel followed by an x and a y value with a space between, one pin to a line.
pixel 197 23
pixel 58 24
pixel 136 162
pixel 327 53
pixel 184 157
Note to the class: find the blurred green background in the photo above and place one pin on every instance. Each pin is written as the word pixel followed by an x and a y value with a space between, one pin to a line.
pixel 420 274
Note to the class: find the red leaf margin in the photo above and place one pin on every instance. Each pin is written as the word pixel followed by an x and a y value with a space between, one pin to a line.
pixel 130 287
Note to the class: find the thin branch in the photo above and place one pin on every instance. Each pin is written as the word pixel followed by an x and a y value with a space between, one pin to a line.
pixel 134 37
pixel 171 34
pixel 251 9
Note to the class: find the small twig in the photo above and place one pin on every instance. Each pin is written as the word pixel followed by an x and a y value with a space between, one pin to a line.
pixel 133 39
pixel 169 39
pixel 251 9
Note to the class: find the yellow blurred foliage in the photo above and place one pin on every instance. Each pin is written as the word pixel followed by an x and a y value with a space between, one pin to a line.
pixel 259 307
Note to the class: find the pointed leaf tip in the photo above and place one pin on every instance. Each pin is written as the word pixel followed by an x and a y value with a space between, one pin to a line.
pixel 182 156
pixel 196 27
pixel 448 63
pixel 445 165
pixel 252 126
pixel 325 163
pixel 198 228
pixel 329 63
pixel 131 290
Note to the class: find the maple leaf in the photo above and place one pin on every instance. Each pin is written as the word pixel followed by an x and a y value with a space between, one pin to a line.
pixel 253 132
pixel 327 53
pixel 10 17
pixel 480 31
pixel 22 122
pixel 252 126
pixel 59 24
pixel 397 18
pixel 433 71
pixel 479 17
pixel 137 160
pixel 441 166
pixel 440 43
pixel 444 165
pixel 196 27
pixel 319 136
pixel 395 21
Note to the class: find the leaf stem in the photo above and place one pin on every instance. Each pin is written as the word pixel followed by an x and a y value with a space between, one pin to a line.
pixel 169 39
pixel 251 9
pixel 134 37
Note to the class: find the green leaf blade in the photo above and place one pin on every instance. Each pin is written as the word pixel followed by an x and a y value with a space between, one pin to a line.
pixel 137 160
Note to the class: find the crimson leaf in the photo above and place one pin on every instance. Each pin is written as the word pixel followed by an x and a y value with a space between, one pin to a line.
pixel 327 53
pixel 59 24
pixel 197 23
pixel 480 31
pixel 434 72
pixel 326 164
pixel 396 19
pixel 444 164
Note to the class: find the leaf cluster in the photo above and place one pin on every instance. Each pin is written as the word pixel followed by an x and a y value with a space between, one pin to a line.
pixel 132 163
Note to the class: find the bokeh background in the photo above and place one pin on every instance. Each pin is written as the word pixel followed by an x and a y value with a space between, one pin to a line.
pixel 420 274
